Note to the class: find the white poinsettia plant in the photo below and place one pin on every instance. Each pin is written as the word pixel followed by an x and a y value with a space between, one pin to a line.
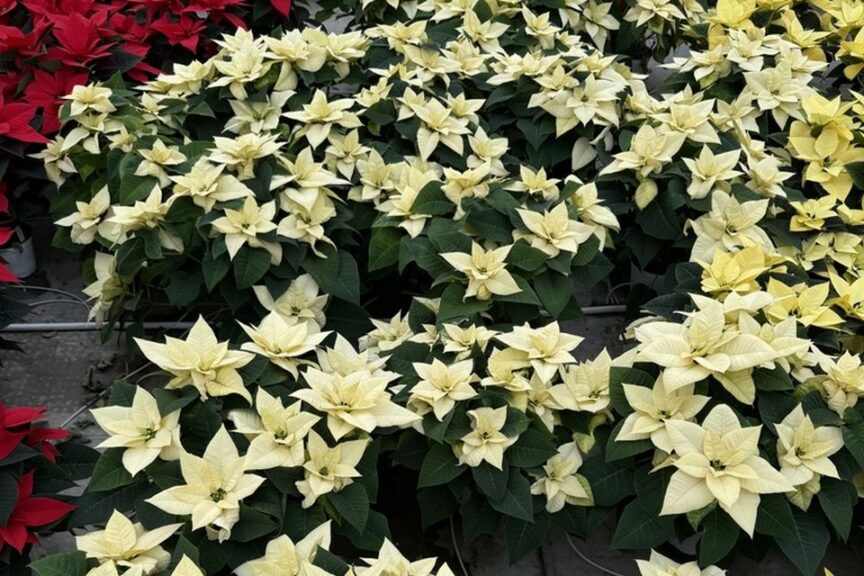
pixel 379 231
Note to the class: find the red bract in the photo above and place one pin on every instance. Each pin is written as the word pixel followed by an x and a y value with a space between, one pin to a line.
pixel 282 6
pixel 80 40
pixel 46 91
pixel 184 32
pixel 30 512
pixel 40 439
pixel 50 8
pixel 13 39
pixel 15 123
pixel 16 426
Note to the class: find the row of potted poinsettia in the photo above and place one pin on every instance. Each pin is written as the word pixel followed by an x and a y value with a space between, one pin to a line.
pixel 49 46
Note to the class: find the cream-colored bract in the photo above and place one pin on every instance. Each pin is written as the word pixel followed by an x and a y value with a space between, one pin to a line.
pixel 283 557
pixel 719 462
pixel 276 432
pixel 328 469
pixel 659 565
pixel 215 484
pixel 142 430
pixel 200 361
pixel 128 546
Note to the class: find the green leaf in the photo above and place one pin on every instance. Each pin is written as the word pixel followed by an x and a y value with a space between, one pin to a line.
pixel 214 268
pixel 109 472
pixel 336 274
pixel 199 424
pixel 490 480
pixel 202 109
pixel 620 449
pixel 352 503
pixel 536 132
pixel 718 538
pixel 184 547
pixel 21 453
pixel 808 543
pixel 856 171
pixel 170 401
pixel 517 501
pixel 8 497
pixel 122 394
pixel 525 295
pixel 448 236
pixel 640 526
pixel 384 248
pixel 439 467
pixel 555 291
pixel 525 257
pixel 77 459
pixel 130 257
pixel 478 517
pixel 250 265
pixel 853 439
pixel 437 504
pixel 660 218
pixel 595 271
pixel 71 564
pixel 454 307
pixel 183 288
pixel 166 473
pixel 421 251
pixel 330 563
pixel 96 507
pixel 432 201
pixel 300 521
pixel 348 319
pixel 491 224
pixel 525 537
pixel 774 517
pixel 773 380
pixel 372 536
pixel 838 499
pixel 533 448
pixel 435 429
pixel 611 482
pixel 253 525
pixel 587 252
pixel 618 376
pixel 410 450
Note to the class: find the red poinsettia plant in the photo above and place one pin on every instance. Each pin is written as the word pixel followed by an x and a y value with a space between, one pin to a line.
pixel 27 513
pixel 49 46
pixel 6 234
pixel 29 452
pixel 20 426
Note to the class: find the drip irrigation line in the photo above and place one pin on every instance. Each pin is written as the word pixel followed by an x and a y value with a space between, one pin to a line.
pixel 38 303
pixel 588 560
pixel 101 395
pixel 66 293
pixel 456 548
pixel 104 392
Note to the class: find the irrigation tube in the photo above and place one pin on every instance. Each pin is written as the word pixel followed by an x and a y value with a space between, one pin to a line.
pixel 611 309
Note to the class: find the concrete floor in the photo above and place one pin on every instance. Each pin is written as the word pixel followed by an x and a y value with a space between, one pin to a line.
pixel 65 370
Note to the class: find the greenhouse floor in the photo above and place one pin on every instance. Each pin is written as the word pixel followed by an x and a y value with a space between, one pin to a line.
pixel 65 370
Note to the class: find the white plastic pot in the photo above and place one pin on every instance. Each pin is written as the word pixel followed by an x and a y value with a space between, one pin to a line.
pixel 19 254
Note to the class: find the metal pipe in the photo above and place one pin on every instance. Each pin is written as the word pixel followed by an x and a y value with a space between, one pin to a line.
pixel 87 326
pixel 611 309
